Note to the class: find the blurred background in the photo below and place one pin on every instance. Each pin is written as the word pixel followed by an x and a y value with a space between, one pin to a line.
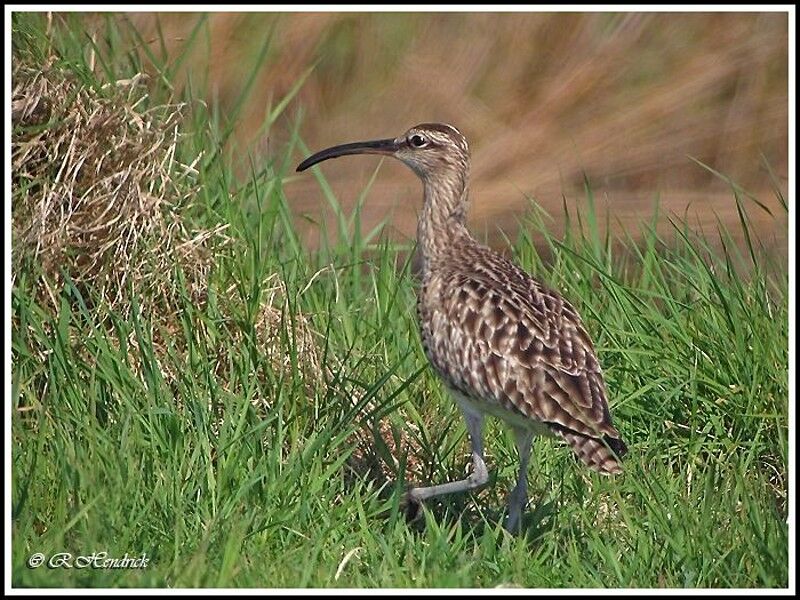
pixel 545 99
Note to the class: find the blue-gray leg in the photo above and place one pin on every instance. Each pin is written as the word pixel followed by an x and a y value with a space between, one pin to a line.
pixel 518 497
pixel 479 475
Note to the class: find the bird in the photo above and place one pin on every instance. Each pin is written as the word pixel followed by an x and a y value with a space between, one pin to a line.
pixel 503 343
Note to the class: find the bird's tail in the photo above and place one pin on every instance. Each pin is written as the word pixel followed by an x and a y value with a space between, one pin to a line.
pixel 599 454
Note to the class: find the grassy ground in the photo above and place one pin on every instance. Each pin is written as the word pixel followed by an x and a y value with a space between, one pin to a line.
pixel 229 465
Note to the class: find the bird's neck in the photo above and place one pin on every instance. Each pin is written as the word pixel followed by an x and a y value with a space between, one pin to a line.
pixel 444 215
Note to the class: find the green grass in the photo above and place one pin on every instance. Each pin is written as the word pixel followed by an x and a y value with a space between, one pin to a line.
pixel 694 346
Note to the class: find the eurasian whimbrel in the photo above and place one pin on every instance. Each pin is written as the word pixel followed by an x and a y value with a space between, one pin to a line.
pixel 503 343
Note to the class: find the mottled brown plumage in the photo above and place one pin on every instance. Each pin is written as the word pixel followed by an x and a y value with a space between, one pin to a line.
pixel 498 336
pixel 504 343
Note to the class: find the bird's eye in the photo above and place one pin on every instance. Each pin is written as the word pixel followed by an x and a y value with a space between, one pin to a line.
pixel 418 141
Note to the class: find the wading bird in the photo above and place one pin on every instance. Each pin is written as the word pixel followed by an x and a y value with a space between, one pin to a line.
pixel 503 343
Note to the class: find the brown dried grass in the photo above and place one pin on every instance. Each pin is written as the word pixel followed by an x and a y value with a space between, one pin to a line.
pixel 544 98
pixel 402 451
pixel 99 198
pixel 98 194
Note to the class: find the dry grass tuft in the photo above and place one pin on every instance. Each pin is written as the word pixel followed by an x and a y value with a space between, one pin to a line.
pixel 286 338
pixel 99 198
pixel 386 452
pixel 98 193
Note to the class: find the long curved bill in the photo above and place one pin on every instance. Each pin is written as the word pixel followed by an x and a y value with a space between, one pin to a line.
pixel 386 147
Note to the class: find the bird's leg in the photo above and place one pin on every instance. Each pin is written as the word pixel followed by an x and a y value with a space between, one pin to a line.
pixel 479 475
pixel 518 497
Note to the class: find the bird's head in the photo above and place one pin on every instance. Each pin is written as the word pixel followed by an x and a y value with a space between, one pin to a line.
pixel 430 149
